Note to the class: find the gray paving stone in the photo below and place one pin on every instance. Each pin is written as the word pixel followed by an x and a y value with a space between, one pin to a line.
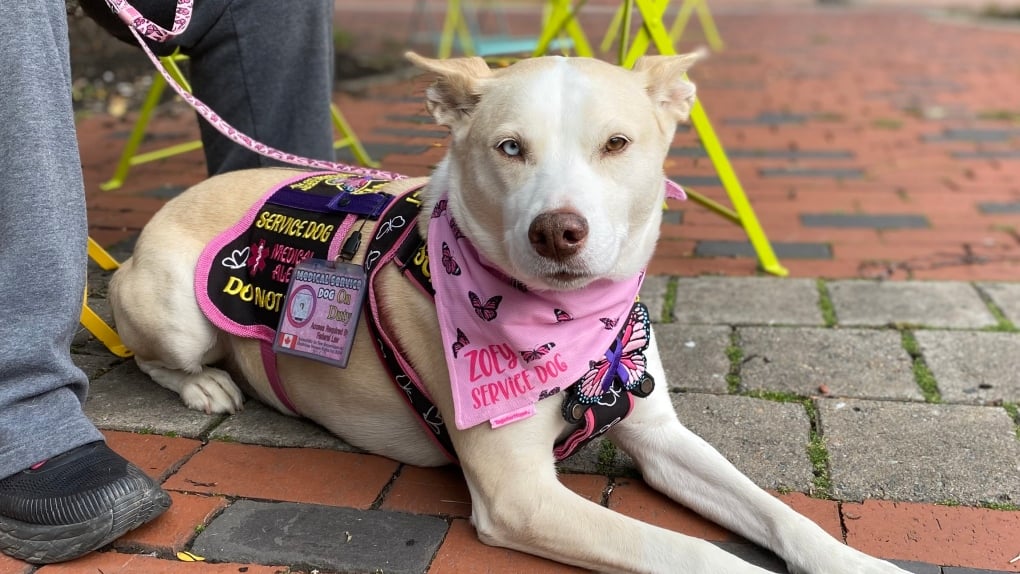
pixel 861 363
pixel 653 295
pixel 920 452
pixel 929 303
pixel 789 154
pixel 259 424
pixel 918 567
pixel 697 181
pixel 694 356
pixel 824 172
pixel 600 457
pixel 766 440
pixel 866 221
pixel 987 154
pixel 782 249
pixel 309 536
pixel 673 217
pixel 1006 297
pixel 755 555
pixel 973 366
pixel 95 365
pixel 994 208
pixel 769 119
pixel 747 301
pixel 126 399
pixel 411 119
pixel 973 135
pixel 957 570
pixel 687 152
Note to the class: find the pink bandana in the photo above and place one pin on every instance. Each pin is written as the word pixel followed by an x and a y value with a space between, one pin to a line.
pixel 507 347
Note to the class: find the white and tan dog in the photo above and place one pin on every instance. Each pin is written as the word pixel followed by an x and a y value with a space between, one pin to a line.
pixel 579 145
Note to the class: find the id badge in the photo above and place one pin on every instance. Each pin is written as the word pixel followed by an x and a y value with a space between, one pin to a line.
pixel 321 311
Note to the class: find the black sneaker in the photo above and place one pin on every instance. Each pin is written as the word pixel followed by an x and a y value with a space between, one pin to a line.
pixel 75 503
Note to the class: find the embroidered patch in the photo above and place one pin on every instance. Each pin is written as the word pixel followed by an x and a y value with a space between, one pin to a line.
pixel 243 273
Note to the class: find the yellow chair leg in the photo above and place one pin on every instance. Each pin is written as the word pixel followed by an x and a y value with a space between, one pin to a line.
pixel 563 19
pixel 455 28
pixel 101 256
pixel 130 157
pixel 89 319
pixel 704 16
pixel 100 330
pixel 349 139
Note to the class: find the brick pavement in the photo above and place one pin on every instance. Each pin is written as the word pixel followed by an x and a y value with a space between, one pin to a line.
pixel 886 412
pixel 868 145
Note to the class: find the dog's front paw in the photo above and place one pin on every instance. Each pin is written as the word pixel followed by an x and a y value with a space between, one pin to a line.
pixel 211 391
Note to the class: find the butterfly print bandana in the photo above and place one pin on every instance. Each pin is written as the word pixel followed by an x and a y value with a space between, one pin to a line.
pixel 506 346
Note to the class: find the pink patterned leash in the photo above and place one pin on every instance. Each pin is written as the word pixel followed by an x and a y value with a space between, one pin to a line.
pixel 139 25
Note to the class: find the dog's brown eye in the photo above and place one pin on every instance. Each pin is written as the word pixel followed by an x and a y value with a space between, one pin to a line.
pixel 510 147
pixel 616 143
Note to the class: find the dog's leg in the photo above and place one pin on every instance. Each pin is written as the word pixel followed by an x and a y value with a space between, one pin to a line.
pixel 681 465
pixel 210 390
pixel 157 317
pixel 517 502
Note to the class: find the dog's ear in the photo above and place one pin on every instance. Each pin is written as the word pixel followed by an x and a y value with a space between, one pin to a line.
pixel 667 81
pixel 455 91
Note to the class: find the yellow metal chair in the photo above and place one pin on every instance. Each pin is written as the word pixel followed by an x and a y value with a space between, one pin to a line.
pixel 563 19
pixel 687 8
pixel 92 321
pixel 130 157
pixel 458 30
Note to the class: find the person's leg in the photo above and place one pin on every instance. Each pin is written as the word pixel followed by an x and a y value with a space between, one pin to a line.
pixel 62 491
pixel 266 67
pixel 42 243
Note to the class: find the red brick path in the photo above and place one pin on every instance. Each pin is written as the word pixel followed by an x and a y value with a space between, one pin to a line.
pixel 878 101
pixel 205 479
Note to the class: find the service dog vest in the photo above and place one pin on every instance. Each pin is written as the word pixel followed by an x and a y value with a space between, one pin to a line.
pixel 242 275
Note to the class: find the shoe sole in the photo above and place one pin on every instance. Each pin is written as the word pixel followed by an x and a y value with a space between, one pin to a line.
pixel 45 544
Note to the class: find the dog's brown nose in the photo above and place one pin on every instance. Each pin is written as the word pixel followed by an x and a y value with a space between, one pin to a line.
pixel 558 234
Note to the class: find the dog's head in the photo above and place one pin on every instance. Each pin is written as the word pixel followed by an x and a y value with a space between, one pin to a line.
pixel 555 168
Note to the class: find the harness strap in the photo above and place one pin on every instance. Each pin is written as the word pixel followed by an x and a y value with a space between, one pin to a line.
pixel 269 364
pixel 597 420
pixel 406 249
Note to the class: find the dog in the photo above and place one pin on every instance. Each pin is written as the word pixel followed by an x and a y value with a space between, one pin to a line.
pixel 553 185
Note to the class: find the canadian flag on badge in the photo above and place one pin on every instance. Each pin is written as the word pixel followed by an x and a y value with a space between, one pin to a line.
pixel 289 341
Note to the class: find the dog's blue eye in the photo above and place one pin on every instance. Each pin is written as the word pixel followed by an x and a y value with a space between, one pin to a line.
pixel 510 147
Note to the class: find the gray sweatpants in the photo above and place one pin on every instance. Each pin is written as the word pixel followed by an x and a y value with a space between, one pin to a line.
pixel 42 240
pixel 265 66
